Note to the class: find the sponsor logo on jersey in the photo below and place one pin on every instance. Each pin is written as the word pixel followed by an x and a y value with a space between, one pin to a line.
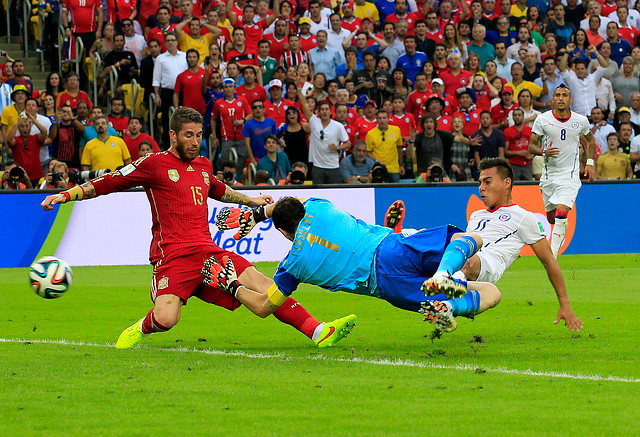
pixel 174 175
pixel 128 169
pixel 205 176
pixel 190 168
pixel 505 217
pixel 163 283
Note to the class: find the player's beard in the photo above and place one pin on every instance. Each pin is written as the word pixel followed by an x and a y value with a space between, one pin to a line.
pixel 182 152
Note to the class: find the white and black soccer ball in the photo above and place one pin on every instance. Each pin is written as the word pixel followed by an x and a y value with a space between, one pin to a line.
pixel 50 277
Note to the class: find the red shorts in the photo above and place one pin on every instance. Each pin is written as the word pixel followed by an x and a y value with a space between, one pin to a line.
pixel 179 274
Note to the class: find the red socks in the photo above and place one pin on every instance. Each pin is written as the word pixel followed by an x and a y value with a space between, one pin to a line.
pixel 149 324
pixel 293 313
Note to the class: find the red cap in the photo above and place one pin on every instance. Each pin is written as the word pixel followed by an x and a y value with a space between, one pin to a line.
pixel 507 89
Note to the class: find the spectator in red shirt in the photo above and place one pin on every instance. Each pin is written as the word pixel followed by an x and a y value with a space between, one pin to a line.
pixel 83 22
pixel 251 90
pixel 72 95
pixel 164 26
pixel 517 147
pixel 468 111
pixel 253 31
pixel 188 89
pixel 455 76
pixel 278 40
pixel 25 147
pixel 404 120
pixel 501 111
pixel 276 107
pixel 241 53
pixel 308 40
pixel 135 137
pixel 417 99
pixel 117 119
pixel 403 14
pixel 367 122
pixel 231 113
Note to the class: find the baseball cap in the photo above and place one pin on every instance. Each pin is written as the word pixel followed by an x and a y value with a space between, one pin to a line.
pixel 276 83
pixel 437 80
pixel 18 88
pixel 507 89
pixel 347 4
pixel 370 102
pixel 304 20
pixel 624 109
pixel 228 80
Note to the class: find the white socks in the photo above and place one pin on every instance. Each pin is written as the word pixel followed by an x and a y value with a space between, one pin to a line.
pixel 557 235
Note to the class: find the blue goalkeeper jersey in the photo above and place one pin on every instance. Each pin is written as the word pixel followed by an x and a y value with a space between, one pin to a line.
pixel 331 249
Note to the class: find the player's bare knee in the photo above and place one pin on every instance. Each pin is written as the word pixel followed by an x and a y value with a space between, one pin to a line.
pixel 166 319
pixel 493 295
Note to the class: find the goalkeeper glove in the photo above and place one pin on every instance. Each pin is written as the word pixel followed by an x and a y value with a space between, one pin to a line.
pixel 244 219
pixel 221 274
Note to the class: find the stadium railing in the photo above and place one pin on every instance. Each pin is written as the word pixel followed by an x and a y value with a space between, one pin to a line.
pixel 153 114
pixel 26 9
pixel 8 20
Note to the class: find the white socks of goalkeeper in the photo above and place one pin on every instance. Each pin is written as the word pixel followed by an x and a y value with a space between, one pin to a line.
pixel 558 234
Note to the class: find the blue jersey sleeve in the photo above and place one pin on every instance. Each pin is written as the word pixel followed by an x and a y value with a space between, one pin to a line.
pixel 286 282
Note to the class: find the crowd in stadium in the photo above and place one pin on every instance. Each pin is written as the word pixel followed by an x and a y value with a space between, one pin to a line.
pixel 322 92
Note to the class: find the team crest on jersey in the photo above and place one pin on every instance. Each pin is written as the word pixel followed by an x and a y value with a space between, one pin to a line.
pixel 418 100
pixel 575 125
pixel 505 217
pixel 205 176
pixel 174 175
pixel 163 283
pixel 239 104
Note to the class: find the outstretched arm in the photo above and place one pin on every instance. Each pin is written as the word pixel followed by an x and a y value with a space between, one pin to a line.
pixel 543 251
pixel 79 192
pixel 232 196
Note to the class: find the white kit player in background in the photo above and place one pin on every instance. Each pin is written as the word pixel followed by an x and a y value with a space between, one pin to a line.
pixel 505 228
pixel 556 137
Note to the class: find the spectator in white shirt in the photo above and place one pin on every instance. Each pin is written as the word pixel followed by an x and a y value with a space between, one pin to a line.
pixel 600 129
pixel 167 68
pixel 595 8
pixel 581 83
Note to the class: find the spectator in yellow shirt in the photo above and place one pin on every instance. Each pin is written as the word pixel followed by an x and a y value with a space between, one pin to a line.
pixel 614 164
pixel 384 144
pixel 105 151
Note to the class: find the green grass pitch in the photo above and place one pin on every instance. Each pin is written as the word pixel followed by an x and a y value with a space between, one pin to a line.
pixel 511 371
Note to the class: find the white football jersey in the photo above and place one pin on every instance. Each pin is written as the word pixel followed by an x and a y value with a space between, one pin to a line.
pixel 566 137
pixel 504 231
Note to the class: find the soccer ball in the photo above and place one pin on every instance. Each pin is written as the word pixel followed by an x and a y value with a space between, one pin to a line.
pixel 50 277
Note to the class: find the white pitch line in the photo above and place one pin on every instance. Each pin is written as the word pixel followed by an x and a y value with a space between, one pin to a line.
pixel 377 362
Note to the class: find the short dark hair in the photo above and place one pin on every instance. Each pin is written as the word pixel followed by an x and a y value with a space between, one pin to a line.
pixel 428 116
pixel 502 166
pixel 184 115
pixel 287 213
pixel 193 51
pixel 613 134
pixel 486 112
pixel 228 164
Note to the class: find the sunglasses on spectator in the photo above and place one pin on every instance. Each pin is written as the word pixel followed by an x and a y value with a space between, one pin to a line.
pixel 321 135
pixel 257 107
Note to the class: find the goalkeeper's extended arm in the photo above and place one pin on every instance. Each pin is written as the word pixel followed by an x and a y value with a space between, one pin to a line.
pixel 244 219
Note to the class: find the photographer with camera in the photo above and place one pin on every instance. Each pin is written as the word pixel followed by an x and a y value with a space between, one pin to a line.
pixel 435 173
pixel 228 174
pixel 25 148
pixel 14 177
pixel 57 178
pixel 66 136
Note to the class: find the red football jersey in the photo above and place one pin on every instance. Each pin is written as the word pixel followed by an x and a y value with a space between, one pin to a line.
pixel 27 154
pixel 119 124
pixel 629 34
pixel 253 32
pixel 276 48
pixel 518 141
pixel 256 93
pixel 411 19
pixel 500 113
pixel 133 144
pixel 83 15
pixel 228 111
pixel 404 121
pixel 453 82
pixel 248 57
pixel 351 131
pixel 278 112
pixel 416 104
pixel 189 84
pixel 306 44
pixel 437 36
pixel 444 123
pixel 352 26
pixel 471 121
pixel 125 8
pixel 159 33
pixel 177 191
pixel 363 126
